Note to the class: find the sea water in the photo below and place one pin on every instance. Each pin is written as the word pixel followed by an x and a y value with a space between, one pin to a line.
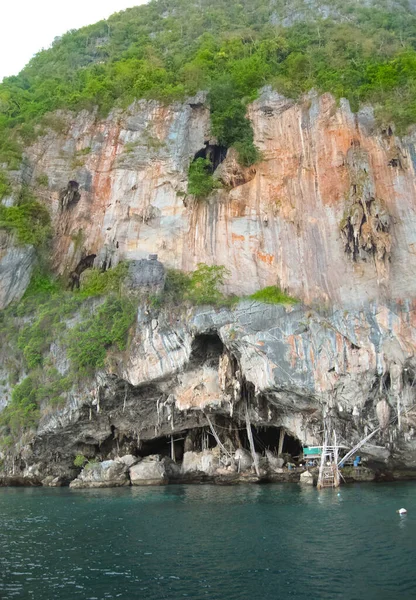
pixel 248 542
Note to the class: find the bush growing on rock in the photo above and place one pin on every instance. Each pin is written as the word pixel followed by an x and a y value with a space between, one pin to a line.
pixel 27 219
pixel 202 286
pixel 273 295
pixel 200 180
pixel 79 461
pixel 107 326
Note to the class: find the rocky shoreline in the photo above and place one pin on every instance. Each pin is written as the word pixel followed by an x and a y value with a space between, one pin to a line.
pixel 156 470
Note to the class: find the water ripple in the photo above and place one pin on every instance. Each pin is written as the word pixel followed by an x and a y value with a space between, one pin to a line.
pixel 206 542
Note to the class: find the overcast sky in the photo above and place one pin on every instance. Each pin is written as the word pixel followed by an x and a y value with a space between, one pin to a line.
pixel 27 26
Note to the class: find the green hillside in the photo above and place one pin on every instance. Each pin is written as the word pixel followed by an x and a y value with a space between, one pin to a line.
pixel 364 51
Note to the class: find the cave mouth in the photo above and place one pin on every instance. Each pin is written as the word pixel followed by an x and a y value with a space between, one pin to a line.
pixel 271 438
pixel 171 446
pixel 87 262
pixel 215 153
pixel 175 445
pixel 206 350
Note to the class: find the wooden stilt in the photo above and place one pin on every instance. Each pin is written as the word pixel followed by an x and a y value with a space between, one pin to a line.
pixel 172 449
pixel 281 440
pixel 217 439
pixel 251 440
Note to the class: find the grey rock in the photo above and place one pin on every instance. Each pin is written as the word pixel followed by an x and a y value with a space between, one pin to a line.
pixel 202 462
pixel 109 473
pixel 16 266
pixel 129 460
pixel 154 470
pixel 243 459
pixel 145 275
pixel 306 478
pixel 273 461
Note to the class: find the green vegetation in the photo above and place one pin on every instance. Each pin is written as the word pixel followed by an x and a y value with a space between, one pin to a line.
pixel 98 283
pixel 42 180
pixel 273 295
pixel 39 387
pixel 200 180
pixel 79 461
pixel 202 286
pixel 23 411
pixel 168 49
pixel 5 187
pixel 107 327
pixel 27 219
pixel 29 328
pixel 36 336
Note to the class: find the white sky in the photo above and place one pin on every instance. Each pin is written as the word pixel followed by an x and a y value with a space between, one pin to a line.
pixel 27 26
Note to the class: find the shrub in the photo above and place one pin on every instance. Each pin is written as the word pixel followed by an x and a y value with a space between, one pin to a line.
pixel 42 180
pixel 79 461
pixel 49 314
pixel 272 295
pixel 202 286
pixel 98 283
pixel 205 284
pixel 5 187
pixel 200 180
pixel 28 219
pixel 248 153
pixel 23 411
pixel 108 327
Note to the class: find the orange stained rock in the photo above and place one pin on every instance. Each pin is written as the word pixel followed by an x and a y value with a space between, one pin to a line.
pixel 266 258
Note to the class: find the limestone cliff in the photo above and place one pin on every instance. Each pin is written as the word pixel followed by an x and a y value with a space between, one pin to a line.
pixel 328 215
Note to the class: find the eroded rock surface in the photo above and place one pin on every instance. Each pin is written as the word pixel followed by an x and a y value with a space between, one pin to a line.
pixel 329 181
pixel 16 266
pixel 154 470
pixel 109 473
pixel 328 214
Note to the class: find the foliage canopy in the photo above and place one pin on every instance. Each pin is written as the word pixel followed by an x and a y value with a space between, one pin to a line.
pixel 167 49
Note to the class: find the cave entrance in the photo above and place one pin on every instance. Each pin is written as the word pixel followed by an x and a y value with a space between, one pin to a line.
pixel 87 262
pixel 174 446
pixel 275 439
pixel 215 153
pixel 206 350
pixel 171 446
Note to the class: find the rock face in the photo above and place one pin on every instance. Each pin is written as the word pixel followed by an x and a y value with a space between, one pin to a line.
pixel 16 265
pixel 145 275
pixel 109 473
pixel 201 462
pixel 329 215
pixel 153 470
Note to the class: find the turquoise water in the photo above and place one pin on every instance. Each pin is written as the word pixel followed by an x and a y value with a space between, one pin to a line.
pixel 208 542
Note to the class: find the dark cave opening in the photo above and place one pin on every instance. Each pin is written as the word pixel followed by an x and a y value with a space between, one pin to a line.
pixel 270 438
pixel 164 446
pixel 197 439
pixel 87 262
pixel 206 349
pixel 216 154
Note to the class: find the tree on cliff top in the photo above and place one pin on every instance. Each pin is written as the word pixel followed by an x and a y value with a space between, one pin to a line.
pixel 168 49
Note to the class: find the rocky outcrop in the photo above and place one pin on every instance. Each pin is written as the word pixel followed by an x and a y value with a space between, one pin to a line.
pixel 201 462
pixel 154 470
pixel 145 275
pixel 16 266
pixel 293 368
pixel 109 473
